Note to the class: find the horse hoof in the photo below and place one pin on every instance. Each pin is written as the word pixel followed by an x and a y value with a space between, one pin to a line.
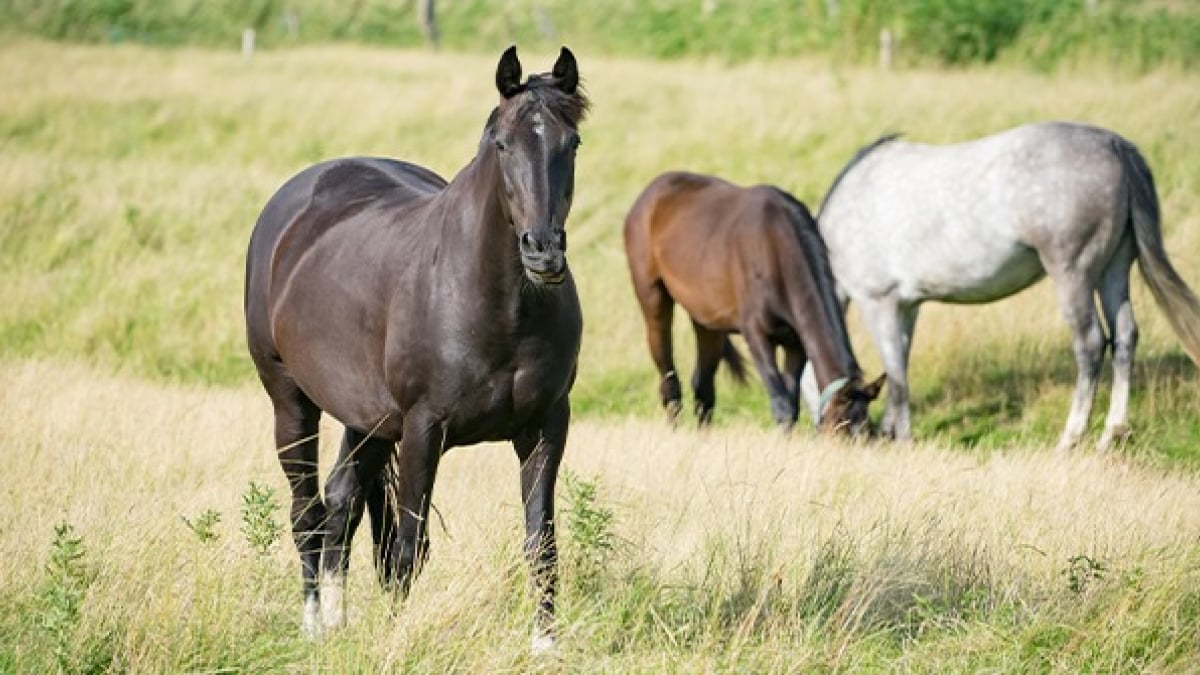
pixel 543 642
pixel 783 412
pixel 674 409
pixel 1066 445
pixel 1112 436
pixel 333 602
pixel 313 630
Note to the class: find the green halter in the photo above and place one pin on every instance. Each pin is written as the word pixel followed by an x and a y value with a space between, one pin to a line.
pixel 827 395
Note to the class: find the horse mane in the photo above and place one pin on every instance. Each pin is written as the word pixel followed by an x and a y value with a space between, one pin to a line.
pixel 858 157
pixel 812 245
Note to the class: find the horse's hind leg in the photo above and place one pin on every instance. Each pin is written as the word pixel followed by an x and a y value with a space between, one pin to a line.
pixel 358 465
pixel 1123 333
pixel 297 420
pixel 381 508
pixel 658 308
pixel 709 346
pixel 1078 303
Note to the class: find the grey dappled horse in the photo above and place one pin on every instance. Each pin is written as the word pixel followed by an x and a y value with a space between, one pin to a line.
pixel 978 221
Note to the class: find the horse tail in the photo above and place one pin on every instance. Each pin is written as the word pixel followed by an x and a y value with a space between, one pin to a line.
pixel 733 358
pixel 1177 301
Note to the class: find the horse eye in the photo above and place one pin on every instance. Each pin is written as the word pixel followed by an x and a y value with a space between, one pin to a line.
pixel 500 145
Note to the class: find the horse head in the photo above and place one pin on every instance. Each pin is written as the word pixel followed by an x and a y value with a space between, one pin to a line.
pixel 845 403
pixel 535 135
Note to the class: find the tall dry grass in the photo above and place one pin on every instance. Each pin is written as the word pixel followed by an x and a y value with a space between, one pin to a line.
pixel 737 548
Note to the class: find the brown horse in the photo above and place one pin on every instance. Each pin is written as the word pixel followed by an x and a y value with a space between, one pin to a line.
pixel 423 314
pixel 749 261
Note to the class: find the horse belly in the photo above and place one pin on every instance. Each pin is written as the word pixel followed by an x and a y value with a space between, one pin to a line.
pixel 991 274
pixel 343 379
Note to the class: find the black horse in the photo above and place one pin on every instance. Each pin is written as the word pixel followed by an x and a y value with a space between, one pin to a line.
pixel 422 315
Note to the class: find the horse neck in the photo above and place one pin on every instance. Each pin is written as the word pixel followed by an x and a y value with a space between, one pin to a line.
pixel 476 232
pixel 823 325
pixel 831 356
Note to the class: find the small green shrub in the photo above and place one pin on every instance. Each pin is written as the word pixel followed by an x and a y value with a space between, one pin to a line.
pixel 259 525
pixel 204 526
pixel 590 539
pixel 67 580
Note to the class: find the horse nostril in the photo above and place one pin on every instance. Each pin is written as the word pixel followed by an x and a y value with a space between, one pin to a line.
pixel 528 243
pixel 561 237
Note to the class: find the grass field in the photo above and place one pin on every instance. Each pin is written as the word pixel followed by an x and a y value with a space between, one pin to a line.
pixel 129 183
pixel 760 554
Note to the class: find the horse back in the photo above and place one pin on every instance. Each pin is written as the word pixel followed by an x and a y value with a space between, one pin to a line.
pixel 973 221
pixel 721 250
pixel 281 296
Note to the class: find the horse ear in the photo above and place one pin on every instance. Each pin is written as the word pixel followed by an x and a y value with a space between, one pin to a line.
pixel 872 390
pixel 508 73
pixel 566 72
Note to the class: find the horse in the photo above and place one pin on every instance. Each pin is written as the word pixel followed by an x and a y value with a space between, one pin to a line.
pixel 978 221
pixel 422 315
pixel 743 260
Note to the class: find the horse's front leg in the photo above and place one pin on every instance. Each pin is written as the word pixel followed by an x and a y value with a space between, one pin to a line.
pixel 891 325
pixel 540 451
pixel 783 403
pixel 795 361
pixel 421 449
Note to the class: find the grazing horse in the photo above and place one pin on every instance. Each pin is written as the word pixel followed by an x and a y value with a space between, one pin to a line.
pixel 422 314
pixel 749 261
pixel 978 221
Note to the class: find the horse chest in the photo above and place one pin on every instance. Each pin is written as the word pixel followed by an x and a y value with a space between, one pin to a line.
pixel 489 379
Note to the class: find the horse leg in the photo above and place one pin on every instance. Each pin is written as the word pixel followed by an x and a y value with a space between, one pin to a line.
pixel 540 453
pixel 658 308
pixel 795 362
pixel 709 346
pixel 1123 332
pixel 891 325
pixel 1076 296
pixel 297 420
pixel 358 465
pixel 421 449
pixel 762 351
pixel 381 508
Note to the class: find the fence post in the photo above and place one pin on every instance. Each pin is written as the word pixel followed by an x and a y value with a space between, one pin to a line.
pixel 426 14
pixel 247 43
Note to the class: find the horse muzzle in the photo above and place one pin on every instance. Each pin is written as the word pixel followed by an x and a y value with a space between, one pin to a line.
pixel 543 269
pixel 544 257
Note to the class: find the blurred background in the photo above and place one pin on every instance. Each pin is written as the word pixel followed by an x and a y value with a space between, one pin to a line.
pixel 1040 33
pixel 142 137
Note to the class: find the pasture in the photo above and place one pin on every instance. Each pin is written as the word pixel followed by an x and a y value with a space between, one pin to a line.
pixel 129 183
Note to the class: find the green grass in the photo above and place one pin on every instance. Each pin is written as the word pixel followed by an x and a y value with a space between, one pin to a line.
pixel 132 178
